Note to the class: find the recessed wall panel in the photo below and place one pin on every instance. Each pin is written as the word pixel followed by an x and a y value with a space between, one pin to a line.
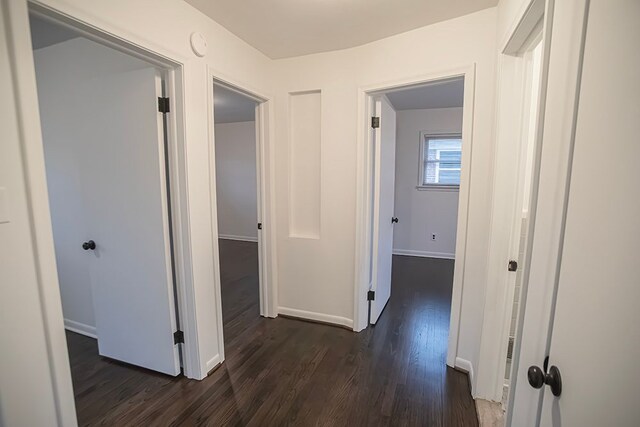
pixel 304 164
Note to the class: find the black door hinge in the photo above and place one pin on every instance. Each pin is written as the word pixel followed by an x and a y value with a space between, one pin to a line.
pixel 375 122
pixel 513 265
pixel 178 337
pixel 371 295
pixel 163 105
pixel 259 226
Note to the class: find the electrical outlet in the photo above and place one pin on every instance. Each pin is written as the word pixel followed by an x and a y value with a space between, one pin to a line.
pixel 433 236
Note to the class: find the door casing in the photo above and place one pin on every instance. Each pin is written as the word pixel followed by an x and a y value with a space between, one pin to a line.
pixel 565 32
pixel 171 66
pixel 266 213
pixel 364 195
pixel 511 121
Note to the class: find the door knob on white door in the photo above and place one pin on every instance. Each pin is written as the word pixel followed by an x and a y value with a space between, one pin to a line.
pixel 537 378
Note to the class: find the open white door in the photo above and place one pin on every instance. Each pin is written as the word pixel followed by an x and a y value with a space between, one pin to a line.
pixel 595 339
pixel 383 207
pixel 128 221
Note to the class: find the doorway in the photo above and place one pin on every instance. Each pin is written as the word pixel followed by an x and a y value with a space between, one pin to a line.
pixel 240 186
pixel 416 195
pixel 520 232
pixel 106 144
pixel 237 207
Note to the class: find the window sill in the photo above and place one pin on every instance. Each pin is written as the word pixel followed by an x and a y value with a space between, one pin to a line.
pixel 438 188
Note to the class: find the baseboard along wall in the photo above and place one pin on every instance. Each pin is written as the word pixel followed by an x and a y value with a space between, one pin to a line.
pixel 317 317
pixel 238 238
pixel 423 254
pixel 80 328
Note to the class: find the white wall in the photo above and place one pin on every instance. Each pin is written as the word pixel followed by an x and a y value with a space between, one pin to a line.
pixel 236 180
pixel 318 275
pixel 425 211
pixel 68 76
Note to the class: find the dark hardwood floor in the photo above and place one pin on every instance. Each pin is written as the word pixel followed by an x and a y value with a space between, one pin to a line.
pixel 290 372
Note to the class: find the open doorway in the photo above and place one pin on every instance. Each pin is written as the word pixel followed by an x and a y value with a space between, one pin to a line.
pixel 107 155
pixel 415 203
pixel 418 189
pixel 521 230
pixel 237 207
pixel 417 151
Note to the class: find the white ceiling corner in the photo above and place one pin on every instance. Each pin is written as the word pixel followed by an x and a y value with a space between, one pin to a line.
pixel 286 28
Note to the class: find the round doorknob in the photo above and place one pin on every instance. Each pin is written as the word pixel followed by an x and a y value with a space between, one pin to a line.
pixel 89 245
pixel 394 220
pixel 537 378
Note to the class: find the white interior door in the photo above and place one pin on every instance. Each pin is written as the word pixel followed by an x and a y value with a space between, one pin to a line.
pixel 383 208
pixel 128 221
pixel 595 340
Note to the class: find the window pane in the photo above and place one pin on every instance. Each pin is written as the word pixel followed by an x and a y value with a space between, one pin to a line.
pixel 449 176
pixel 450 156
pixel 430 174
pixel 442 161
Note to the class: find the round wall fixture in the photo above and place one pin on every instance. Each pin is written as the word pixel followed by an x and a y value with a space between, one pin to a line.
pixel 198 44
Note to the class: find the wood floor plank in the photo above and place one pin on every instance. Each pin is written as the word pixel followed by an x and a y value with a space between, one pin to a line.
pixel 289 372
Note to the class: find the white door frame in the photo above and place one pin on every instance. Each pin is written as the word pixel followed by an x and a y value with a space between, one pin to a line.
pixel 364 193
pixel 511 121
pixel 172 65
pixel 16 33
pixel 566 31
pixel 265 180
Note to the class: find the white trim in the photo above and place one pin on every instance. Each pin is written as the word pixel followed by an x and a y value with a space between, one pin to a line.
pixel 19 50
pixel 437 187
pixel 363 194
pixel 213 362
pixel 512 115
pixel 567 32
pixel 265 207
pixel 238 238
pixel 424 254
pixel 318 317
pixel 80 328
pixel 465 366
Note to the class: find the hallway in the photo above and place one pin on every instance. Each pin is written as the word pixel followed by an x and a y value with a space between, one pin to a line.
pixel 289 372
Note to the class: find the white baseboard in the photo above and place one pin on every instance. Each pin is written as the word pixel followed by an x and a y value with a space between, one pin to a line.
pixel 213 362
pixel 423 254
pixel 238 238
pixel 318 317
pixel 466 366
pixel 80 328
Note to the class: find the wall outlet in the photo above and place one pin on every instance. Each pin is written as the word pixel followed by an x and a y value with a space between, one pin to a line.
pixel 433 236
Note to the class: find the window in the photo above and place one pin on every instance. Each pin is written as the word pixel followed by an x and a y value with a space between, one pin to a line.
pixel 440 160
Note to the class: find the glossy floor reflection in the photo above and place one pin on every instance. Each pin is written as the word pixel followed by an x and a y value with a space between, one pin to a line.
pixel 289 372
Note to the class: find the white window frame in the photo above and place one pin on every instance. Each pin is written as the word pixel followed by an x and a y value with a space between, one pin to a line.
pixel 424 135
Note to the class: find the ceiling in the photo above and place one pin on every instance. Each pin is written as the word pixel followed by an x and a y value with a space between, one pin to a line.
pixel 442 94
pixel 231 107
pixel 45 33
pixel 284 28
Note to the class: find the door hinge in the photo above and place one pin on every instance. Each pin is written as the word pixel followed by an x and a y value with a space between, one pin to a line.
pixel 178 337
pixel 375 122
pixel 371 295
pixel 513 265
pixel 259 226
pixel 163 105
